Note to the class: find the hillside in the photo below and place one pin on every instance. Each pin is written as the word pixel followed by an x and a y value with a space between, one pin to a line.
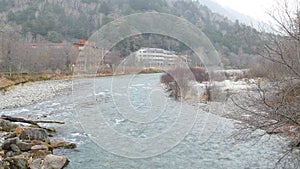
pixel 68 20
pixel 230 13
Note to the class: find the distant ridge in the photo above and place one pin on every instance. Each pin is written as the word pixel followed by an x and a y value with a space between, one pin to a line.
pixel 230 13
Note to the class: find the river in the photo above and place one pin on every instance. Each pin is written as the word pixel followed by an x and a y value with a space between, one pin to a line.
pixel 106 117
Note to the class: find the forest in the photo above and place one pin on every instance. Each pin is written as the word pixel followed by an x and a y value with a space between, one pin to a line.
pixel 56 21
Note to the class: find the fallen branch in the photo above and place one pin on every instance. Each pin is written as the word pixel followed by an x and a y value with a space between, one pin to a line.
pixel 33 122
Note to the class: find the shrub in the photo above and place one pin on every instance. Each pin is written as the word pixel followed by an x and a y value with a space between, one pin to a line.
pixel 177 80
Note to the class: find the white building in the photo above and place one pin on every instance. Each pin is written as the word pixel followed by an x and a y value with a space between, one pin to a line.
pixel 155 57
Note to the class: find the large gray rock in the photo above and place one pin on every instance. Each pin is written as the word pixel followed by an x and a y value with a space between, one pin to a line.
pixel 35 163
pixel 24 146
pixel 40 151
pixel 4 164
pixel 7 126
pixel 15 148
pixel 9 144
pixel 17 163
pixel 6 144
pixel 54 162
pixel 34 134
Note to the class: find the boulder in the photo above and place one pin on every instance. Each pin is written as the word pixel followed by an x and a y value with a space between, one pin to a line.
pixel 24 146
pixel 57 143
pixel 4 164
pixel 40 154
pixel 3 136
pixel 35 163
pixel 36 142
pixel 54 162
pixel 40 151
pixel 24 155
pixel 34 134
pixel 7 126
pixel 10 135
pixel 2 153
pixel 17 163
pixel 6 144
pixel 18 130
pixel 15 148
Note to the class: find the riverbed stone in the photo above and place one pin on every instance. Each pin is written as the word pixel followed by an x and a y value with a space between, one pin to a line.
pixel 9 154
pixel 57 143
pixel 6 144
pixel 7 126
pixel 10 135
pixel 34 134
pixel 15 148
pixel 54 162
pixel 18 130
pixel 3 136
pixel 39 151
pixel 35 163
pixel 26 155
pixel 40 154
pixel 39 147
pixel 2 153
pixel 37 142
pixel 4 164
pixel 24 146
pixel 17 163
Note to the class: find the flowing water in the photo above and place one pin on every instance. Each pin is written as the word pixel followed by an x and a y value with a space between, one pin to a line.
pixel 136 108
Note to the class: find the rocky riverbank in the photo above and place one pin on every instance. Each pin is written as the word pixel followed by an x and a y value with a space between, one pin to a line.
pixel 24 146
pixel 29 93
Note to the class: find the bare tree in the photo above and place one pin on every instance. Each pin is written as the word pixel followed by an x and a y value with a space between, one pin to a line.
pixel 10 50
pixel 273 107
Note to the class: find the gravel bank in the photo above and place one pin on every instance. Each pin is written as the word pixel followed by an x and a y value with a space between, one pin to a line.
pixel 30 93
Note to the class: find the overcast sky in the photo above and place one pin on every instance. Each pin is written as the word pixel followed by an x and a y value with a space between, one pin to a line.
pixel 254 8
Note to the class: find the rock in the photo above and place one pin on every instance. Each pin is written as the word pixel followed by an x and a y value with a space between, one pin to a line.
pixel 2 153
pixel 40 151
pixel 39 147
pixel 40 154
pixel 36 142
pixel 54 162
pixel 24 155
pixel 18 130
pixel 11 135
pixel 7 126
pixel 3 136
pixel 17 163
pixel 8 142
pixel 15 141
pixel 24 146
pixel 9 154
pixel 57 143
pixel 51 130
pixel 34 134
pixel 4 165
pixel 15 148
pixel 35 163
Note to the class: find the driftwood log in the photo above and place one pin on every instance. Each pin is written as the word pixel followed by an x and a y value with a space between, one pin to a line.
pixel 33 122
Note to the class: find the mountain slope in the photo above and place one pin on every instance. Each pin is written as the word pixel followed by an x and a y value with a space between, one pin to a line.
pixel 227 12
pixel 59 20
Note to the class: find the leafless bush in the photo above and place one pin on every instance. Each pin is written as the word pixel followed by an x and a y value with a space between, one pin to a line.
pixel 177 80
pixel 274 105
